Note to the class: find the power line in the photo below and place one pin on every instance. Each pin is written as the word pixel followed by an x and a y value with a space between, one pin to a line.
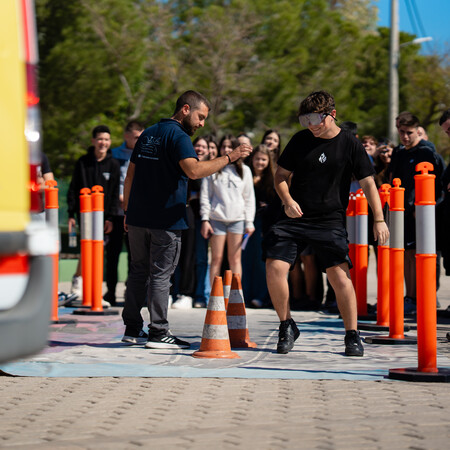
pixel 415 20
pixel 419 21
pixel 412 19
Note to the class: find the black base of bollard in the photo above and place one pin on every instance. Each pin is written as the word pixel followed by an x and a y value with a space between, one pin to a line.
pixel 443 312
pixel 375 327
pixel 411 374
pixel 368 317
pixel 386 340
pixel 88 312
pixel 62 321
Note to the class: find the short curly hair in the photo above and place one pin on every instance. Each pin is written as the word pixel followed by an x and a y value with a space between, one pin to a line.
pixel 317 102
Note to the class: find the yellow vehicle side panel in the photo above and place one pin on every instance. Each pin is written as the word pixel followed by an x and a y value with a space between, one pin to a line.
pixel 14 195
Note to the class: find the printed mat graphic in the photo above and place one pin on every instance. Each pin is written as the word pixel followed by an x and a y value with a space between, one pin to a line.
pixel 92 347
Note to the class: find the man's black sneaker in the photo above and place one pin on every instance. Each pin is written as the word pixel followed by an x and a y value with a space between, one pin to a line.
pixel 134 337
pixel 295 329
pixel 287 335
pixel 166 341
pixel 353 346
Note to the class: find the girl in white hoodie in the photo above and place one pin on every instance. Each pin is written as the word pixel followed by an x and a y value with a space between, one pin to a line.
pixel 227 210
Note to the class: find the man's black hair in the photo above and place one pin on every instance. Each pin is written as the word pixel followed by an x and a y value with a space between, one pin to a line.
pixel 100 129
pixel 192 98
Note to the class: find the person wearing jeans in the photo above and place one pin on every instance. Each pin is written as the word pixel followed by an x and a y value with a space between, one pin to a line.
pixel 155 196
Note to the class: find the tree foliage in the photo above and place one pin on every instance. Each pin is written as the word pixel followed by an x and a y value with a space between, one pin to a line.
pixel 110 61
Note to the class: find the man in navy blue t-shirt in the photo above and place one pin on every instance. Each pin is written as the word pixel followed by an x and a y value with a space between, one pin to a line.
pixel 313 181
pixel 155 197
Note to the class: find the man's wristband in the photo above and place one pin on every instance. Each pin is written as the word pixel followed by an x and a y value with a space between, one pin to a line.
pixel 379 221
pixel 229 159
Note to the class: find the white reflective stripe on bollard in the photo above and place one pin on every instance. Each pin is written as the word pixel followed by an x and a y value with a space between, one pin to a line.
pixel 361 229
pixel 97 225
pixel 51 217
pixel 86 226
pixel 425 230
pixel 396 229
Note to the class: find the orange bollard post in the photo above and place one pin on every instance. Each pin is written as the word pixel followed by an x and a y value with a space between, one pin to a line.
pixel 51 217
pixel 237 316
pixel 215 339
pixel 227 278
pixel 351 231
pixel 426 268
pixel 97 247
pixel 396 270
pixel 396 260
pixel 361 254
pixel 86 245
pixel 426 283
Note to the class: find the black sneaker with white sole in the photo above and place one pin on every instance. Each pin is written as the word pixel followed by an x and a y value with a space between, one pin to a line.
pixel 166 341
pixel 134 337
pixel 287 335
pixel 353 345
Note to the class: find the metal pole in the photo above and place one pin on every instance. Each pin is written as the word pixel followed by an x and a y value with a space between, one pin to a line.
pixel 394 53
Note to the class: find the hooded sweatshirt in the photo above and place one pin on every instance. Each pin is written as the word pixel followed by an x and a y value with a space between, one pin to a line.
pixel 226 197
pixel 90 172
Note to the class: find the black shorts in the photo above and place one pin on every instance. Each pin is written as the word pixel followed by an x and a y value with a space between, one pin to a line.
pixel 410 231
pixel 288 238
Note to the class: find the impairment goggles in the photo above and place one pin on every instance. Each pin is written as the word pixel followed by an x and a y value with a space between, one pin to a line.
pixel 312 119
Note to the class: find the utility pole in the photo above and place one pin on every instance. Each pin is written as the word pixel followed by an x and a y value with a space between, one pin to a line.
pixel 394 53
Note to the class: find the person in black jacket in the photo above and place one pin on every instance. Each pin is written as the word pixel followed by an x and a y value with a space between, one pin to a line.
pixel 97 167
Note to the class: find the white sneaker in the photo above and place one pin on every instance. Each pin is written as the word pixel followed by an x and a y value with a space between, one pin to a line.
pixel 105 304
pixel 77 286
pixel 182 302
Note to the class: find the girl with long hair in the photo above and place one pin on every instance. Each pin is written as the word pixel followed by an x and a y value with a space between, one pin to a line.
pixel 227 209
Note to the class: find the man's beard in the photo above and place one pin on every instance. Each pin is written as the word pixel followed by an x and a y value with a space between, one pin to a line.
pixel 187 125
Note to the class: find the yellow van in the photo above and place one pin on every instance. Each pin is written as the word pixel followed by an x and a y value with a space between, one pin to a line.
pixel 26 246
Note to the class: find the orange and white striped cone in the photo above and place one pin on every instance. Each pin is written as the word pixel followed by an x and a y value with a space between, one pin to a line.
pixel 237 316
pixel 227 286
pixel 215 339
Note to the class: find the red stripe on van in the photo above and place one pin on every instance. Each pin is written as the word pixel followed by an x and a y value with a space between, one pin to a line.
pixel 14 264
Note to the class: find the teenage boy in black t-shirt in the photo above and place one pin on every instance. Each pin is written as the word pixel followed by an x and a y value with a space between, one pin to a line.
pixel 321 160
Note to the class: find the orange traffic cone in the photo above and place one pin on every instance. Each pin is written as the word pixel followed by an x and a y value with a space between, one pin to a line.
pixel 215 339
pixel 227 286
pixel 237 317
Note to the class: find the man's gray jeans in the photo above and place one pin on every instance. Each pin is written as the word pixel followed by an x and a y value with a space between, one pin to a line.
pixel 154 257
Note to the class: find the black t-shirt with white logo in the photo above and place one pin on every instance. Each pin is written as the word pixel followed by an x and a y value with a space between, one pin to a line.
pixel 322 171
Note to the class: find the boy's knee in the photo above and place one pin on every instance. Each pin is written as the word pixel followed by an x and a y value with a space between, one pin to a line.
pixel 276 268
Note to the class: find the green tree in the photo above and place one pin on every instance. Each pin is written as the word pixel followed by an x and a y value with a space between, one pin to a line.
pixel 110 61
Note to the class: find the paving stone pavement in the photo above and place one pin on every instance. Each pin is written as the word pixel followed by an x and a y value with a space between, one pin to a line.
pixel 202 413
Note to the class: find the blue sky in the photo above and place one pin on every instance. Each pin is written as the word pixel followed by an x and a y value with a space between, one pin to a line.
pixel 434 15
